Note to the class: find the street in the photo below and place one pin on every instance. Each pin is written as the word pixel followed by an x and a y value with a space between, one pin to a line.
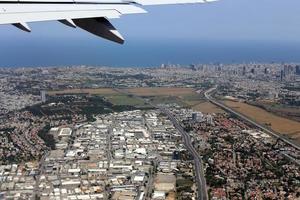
pixel 199 171
pixel 200 177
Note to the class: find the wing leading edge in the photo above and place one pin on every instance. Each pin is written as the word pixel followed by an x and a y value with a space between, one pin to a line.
pixel 90 15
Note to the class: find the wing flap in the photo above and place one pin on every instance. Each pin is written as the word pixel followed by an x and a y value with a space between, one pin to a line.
pixel 68 22
pixel 22 26
pixel 100 27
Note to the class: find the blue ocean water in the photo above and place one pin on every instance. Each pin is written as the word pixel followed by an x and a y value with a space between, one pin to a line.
pixel 138 53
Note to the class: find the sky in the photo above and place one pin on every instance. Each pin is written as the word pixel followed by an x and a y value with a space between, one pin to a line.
pixel 223 31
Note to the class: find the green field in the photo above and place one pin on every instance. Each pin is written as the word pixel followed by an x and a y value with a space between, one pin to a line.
pixel 186 97
pixel 124 100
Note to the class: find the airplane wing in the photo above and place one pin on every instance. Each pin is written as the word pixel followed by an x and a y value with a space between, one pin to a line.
pixel 162 2
pixel 90 15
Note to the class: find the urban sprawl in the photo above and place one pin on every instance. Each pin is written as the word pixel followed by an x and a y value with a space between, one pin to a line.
pixel 169 132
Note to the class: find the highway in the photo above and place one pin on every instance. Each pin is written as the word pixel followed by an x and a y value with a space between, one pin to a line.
pixel 200 177
pixel 247 119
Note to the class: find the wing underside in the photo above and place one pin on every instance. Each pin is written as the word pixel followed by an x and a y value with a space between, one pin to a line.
pixel 90 15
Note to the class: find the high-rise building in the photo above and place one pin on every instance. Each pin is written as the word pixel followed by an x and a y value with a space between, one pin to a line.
pixel 43 96
pixel 244 71
pixel 201 67
pixel 193 67
pixel 288 69
pixel 281 75
pixel 266 71
pixel 297 72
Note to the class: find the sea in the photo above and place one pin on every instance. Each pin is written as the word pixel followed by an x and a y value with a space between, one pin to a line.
pixel 41 52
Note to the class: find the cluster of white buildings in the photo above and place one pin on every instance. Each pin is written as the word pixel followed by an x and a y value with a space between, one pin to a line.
pixel 128 155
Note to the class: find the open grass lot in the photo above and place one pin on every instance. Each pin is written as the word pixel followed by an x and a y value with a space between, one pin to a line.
pixel 279 124
pixel 110 94
pixel 290 112
pixel 124 100
pixel 168 100
pixel 207 107
pixel 186 97
pixel 161 91
pixel 155 91
pixel 99 91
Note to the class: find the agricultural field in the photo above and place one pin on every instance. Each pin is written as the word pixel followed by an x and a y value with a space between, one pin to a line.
pixel 290 112
pixel 161 91
pixel 167 100
pixel 111 95
pixel 186 97
pixel 279 124
pixel 207 107
pixel 122 99
pixel 97 91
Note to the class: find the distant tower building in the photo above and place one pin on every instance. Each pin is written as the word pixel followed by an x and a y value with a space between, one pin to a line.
pixel 201 67
pixel 281 75
pixel 287 70
pixel 252 70
pixel 266 71
pixel 193 67
pixel 298 70
pixel 43 96
pixel 244 71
